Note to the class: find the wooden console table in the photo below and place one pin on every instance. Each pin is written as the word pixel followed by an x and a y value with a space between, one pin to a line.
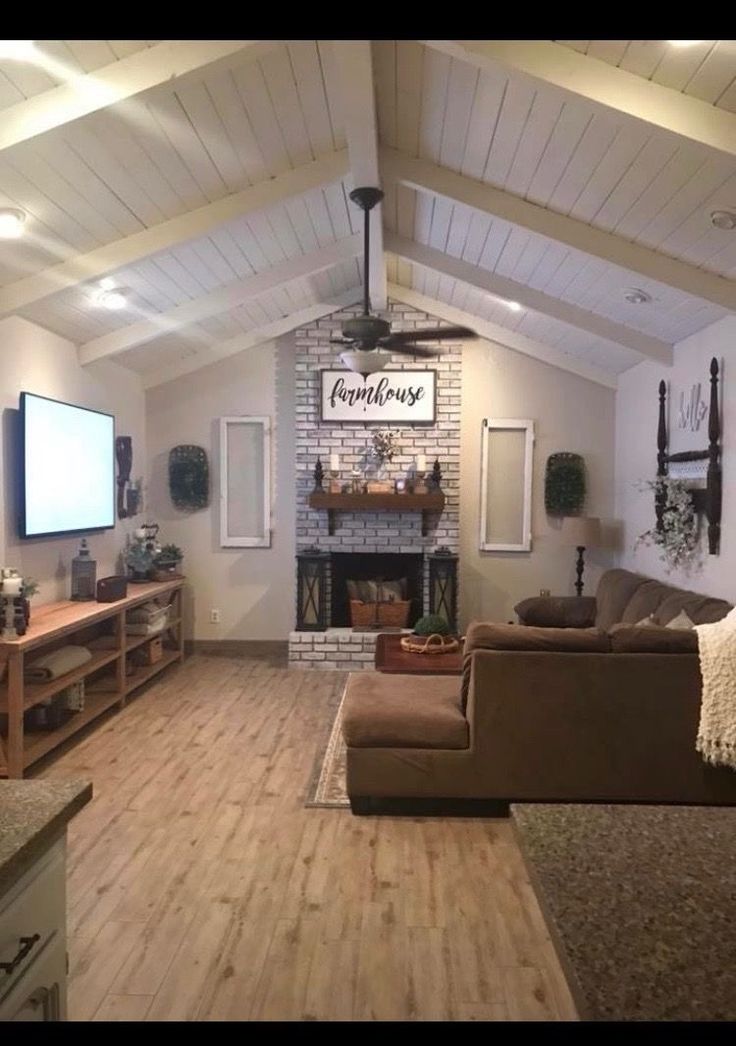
pixel 53 626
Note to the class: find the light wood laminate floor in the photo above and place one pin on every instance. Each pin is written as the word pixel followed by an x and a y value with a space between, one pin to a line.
pixel 201 888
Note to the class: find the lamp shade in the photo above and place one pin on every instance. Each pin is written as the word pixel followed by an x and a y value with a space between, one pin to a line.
pixel 581 531
pixel 365 362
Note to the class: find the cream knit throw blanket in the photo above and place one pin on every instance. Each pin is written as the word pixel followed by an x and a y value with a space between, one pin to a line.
pixel 717 731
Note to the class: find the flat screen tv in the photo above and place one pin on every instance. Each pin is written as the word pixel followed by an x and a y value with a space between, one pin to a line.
pixel 67 468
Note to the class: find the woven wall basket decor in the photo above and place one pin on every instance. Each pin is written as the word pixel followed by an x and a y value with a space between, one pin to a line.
pixel 189 477
pixel 564 484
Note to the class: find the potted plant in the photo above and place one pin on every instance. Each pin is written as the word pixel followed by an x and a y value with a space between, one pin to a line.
pixel 431 625
pixel 30 588
pixel 139 558
pixel 167 562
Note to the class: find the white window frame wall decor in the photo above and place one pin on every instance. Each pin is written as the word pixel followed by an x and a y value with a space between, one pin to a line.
pixel 504 424
pixel 228 540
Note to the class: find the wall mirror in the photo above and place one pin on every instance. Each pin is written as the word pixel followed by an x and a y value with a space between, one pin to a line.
pixel 245 482
pixel 507 448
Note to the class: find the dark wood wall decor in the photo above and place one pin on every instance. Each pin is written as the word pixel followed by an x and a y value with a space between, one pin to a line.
pixel 708 500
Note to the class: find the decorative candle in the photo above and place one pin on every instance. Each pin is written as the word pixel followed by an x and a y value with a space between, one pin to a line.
pixel 421 463
pixel 334 462
pixel 12 586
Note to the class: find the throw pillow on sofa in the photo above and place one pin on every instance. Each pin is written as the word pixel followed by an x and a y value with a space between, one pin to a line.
pixel 681 621
pixel 652 639
pixel 646 622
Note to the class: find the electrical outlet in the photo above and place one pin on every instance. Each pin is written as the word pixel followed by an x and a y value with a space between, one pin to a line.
pixel 214 617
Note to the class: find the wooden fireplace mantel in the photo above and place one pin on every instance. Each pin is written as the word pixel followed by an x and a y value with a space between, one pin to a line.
pixel 424 503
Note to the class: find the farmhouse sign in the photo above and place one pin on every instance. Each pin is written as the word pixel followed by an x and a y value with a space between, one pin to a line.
pixel 396 396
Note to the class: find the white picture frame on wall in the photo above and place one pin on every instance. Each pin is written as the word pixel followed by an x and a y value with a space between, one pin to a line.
pixel 508 486
pixel 245 482
pixel 395 397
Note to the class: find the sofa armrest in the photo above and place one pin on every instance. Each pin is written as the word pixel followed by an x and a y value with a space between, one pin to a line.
pixel 557 611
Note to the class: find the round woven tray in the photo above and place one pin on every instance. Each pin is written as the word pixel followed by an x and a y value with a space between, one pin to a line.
pixel 434 644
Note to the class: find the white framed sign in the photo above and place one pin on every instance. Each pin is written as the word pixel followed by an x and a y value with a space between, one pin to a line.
pixel 404 397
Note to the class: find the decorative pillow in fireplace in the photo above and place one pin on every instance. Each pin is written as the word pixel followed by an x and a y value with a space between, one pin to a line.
pixel 377 591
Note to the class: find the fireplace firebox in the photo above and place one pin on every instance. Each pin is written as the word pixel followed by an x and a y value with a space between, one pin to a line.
pixel 375 566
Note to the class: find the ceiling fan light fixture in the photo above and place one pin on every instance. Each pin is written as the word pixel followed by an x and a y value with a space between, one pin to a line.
pixel 513 306
pixel 636 296
pixel 364 362
pixel 12 223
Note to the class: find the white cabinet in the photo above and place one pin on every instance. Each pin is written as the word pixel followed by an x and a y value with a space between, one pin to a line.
pixel 33 942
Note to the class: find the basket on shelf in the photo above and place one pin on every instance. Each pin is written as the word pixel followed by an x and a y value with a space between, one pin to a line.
pixel 394 614
pixel 434 644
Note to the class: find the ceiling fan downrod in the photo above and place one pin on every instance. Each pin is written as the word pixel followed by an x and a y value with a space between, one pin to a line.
pixel 366 198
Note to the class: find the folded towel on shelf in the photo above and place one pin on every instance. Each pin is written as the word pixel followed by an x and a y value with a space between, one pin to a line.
pixel 57 663
pixel 147 613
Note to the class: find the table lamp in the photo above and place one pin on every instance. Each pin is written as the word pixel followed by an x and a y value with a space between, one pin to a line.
pixel 581 532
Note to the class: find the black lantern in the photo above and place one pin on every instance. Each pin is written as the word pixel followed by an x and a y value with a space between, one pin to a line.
pixel 311 590
pixel 84 572
pixel 443 585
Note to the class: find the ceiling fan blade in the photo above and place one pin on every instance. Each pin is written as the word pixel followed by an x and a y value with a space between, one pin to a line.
pixel 407 348
pixel 434 334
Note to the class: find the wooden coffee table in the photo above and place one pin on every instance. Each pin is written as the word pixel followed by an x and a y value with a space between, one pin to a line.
pixel 391 658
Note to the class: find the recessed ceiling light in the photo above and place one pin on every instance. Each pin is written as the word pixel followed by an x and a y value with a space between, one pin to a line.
pixel 513 305
pixel 107 283
pixel 636 296
pixel 18 50
pixel 723 219
pixel 684 43
pixel 12 222
pixel 108 296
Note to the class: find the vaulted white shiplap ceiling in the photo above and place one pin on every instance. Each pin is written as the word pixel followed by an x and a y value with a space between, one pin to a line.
pixel 219 197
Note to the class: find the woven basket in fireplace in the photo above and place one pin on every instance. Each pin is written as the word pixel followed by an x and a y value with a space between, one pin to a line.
pixel 394 614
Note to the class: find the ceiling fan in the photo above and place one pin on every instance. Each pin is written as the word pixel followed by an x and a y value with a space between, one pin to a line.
pixel 369 339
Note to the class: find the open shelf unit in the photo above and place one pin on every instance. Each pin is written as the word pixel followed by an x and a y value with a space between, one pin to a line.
pixel 82 624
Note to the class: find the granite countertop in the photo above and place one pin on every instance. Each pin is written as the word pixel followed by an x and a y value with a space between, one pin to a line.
pixel 32 816
pixel 641 904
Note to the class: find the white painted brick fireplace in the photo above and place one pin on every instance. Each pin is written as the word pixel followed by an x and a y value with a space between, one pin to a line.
pixel 380 532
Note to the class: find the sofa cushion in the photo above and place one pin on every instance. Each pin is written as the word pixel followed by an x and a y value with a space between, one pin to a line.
pixel 645 600
pixel 557 611
pixel 702 610
pixel 491 636
pixel 652 639
pixel 403 711
pixel 615 589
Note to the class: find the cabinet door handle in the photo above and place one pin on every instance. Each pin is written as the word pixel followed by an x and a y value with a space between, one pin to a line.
pixel 26 944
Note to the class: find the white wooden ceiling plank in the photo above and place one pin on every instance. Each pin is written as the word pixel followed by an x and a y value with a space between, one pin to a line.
pixel 91 54
pixel 587 275
pixel 214 260
pixel 564 274
pixel 226 99
pixel 515 109
pixel 33 167
pixel 312 95
pixel 28 78
pixel 191 260
pixel 257 103
pixel 9 93
pixel 122 48
pixel 409 89
pixel 170 115
pixel 390 207
pixel 489 94
pixel 60 51
pixel 406 201
pixel 498 234
pixel 226 244
pixel 679 64
pixel 435 81
pixel 332 91
pixel 480 226
pixel 722 260
pixel 135 138
pixel 529 259
pixel 85 178
pixel 715 72
pixel 512 251
pixel 586 156
pixel 212 133
pixel 706 181
pixel 280 82
pixel 461 89
pixel 146 291
pixel 649 163
pixel 337 208
pixel 249 245
pixel 548 264
pixel 611 51
pixel 264 234
pixel 65 234
pixel 698 224
pixel 577 45
pixel 301 223
pixel 626 147
pixel 440 227
pixel 540 127
pixel 566 137
pixel 384 75
pixel 643 56
pixel 80 137
pixel 403 272
pixel 320 217
pixel 682 166
pixel 284 232
pixel 392 265
pixel 728 99
pixel 431 283
pixel 170 277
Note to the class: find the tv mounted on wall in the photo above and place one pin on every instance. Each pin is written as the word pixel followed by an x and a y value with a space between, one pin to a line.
pixel 67 468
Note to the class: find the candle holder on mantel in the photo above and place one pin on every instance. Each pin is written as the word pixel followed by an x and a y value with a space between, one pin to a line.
pixel 319 475
pixel 435 479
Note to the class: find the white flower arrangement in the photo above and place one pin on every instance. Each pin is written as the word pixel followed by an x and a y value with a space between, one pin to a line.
pixel 677 536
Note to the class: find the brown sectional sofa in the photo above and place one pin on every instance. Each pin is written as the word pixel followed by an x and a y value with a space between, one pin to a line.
pixel 604 712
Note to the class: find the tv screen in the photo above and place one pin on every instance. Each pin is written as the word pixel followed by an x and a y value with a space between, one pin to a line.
pixel 68 470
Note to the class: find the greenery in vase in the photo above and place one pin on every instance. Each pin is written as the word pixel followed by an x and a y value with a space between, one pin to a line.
pixel 677 536
pixel 169 554
pixel 139 558
pixel 384 446
pixel 30 587
pixel 430 625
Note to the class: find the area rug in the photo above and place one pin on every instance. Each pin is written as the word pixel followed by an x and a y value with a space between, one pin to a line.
pixel 327 787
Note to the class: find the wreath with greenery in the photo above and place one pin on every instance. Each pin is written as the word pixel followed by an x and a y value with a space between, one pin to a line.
pixel 676 536
pixel 564 484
